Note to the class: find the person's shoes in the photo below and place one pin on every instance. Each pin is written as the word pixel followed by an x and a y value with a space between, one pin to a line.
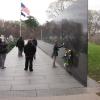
pixel 3 67
pixel 25 69
pixel 31 70
pixel 54 66
pixel 21 55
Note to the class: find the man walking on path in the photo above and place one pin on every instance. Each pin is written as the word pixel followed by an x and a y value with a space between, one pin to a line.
pixel 20 45
pixel 29 51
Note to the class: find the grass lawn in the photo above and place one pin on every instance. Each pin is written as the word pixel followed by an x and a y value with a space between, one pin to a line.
pixel 94 61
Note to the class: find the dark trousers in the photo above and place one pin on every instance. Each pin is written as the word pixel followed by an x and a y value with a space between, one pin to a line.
pixel 2 59
pixel 29 62
pixel 35 53
pixel 20 50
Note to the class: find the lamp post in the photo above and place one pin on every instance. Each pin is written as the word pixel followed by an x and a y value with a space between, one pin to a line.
pixel 62 38
pixel 41 33
pixel 3 26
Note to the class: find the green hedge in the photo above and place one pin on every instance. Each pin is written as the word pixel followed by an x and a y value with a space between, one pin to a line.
pixel 11 45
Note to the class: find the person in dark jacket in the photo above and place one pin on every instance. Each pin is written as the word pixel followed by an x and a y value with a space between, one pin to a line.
pixel 0 52
pixel 55 52
pixel 20 45
pixel 29 51
pixel 3 52
pixel 34 41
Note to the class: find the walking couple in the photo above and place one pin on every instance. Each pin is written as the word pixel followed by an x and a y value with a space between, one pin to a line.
pixel 29 50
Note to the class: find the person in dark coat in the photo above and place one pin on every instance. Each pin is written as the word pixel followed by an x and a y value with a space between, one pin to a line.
pixel 55 52
pixel 0 52
pixel 3 52
pixel 29 51
pixel 34 41
pixel 20 45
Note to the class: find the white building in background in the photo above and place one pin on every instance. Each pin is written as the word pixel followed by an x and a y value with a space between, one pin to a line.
pixel 2 37
pixel 11 38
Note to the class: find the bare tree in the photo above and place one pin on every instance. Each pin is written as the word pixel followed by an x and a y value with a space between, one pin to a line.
pixel 58 6
pixel 90 22
pixel 93 22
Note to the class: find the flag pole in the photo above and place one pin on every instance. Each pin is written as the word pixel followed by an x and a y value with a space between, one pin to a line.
pixel 3 25
pixel 41 33
pixel 20 20
pixel 20 25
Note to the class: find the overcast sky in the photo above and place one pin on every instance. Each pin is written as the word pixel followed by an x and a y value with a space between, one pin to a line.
pixel 10 9
pixel 94 4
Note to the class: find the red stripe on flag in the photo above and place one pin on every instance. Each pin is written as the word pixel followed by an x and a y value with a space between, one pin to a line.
pixel 25 10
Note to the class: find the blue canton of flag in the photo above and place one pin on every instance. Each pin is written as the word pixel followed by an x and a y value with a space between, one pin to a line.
pixel 24 9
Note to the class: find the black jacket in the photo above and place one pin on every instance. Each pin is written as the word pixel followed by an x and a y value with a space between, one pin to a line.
pixel 29 50
pixel 34 41
pixel 20 43
pixel 56 49
pixel 3 48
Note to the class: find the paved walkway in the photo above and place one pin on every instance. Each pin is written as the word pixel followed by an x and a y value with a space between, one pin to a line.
pixel 43 81
pixel 69 97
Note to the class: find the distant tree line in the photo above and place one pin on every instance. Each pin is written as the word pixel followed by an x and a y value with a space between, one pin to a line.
pixel 29 28
pixel 93 22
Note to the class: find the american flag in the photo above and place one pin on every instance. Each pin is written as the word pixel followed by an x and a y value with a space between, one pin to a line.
pixel 23 14
pixel 25 9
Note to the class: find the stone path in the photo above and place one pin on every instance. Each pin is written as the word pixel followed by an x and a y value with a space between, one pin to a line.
pixel 69 97
pixel 43 81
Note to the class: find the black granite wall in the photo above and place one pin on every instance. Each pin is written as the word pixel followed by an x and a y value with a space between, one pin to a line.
pixel 69 27
pixel 79 71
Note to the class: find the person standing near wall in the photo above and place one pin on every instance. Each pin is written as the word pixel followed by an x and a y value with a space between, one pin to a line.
pixel 55 52
pixel 20 45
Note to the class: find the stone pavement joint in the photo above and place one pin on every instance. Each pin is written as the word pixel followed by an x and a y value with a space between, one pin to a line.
pixel 71 97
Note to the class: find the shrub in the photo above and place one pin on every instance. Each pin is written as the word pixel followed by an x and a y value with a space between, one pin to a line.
pixel 11 45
